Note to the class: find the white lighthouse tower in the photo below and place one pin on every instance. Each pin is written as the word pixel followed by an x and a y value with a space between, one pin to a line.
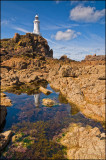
pixel 36 25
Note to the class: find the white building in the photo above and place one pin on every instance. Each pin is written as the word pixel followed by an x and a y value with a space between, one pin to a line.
pixel 36 25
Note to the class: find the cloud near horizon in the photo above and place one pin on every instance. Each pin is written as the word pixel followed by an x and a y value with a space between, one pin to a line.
pixel 67 35
pixel 86 14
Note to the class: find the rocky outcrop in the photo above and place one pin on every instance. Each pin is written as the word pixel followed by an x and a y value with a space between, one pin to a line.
pixel 84 142
pixel 44 90
pixel 48 102
pixel 16 37
pixel 14 78
pixel 4 102
pixel 3 113
pixel 82 87
pixel 68 71
pixel 64 57
pixel 82 83
pixel 95 57
pixel 4 139
pixel 29 45
pixel 21 71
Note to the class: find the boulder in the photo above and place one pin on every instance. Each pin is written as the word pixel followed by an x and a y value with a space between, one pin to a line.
pixel 45 91
pixel 67 71
pixel 64 57
pixel 51 53
pixel 48 102
pixel 3 113
pixel 5 101
pixel 4 139
pixel 16 37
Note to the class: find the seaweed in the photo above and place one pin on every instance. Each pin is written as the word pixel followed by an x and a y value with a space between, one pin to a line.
pixel 34 143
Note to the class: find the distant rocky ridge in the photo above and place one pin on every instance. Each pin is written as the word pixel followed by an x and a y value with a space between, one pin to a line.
pixel 95 57
pixel 30 45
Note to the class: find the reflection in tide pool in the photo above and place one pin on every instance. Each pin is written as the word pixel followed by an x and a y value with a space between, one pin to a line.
pixel 29 108
pixel 37 99
pixel 37 128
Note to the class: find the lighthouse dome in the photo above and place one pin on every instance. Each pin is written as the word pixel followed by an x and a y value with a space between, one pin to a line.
pixel 36 16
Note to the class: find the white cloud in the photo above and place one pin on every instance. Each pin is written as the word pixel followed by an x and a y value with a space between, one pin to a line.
pixel 4 22
pixel 67 35
pixel 8 21
pixel 86 14
pixel 20 29
pixel 57 26
pixel 75 51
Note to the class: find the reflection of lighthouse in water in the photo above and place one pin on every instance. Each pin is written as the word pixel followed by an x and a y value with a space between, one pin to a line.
pixel 37 99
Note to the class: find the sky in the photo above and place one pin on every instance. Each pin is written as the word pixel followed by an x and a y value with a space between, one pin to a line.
pixel 72 28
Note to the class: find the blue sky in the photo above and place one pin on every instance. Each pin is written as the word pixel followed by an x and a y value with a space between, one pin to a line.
pixel 74 28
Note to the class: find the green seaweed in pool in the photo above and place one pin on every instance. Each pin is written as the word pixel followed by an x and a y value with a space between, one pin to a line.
pixel 34 143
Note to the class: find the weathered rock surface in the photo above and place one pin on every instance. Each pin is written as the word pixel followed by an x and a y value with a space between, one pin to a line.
pixel 68 71
pixel 3 113
pixel 18 75
pixel 29 45
pixel 4 102
pixel 82 86
pixel 4 139
pixel 82 83
pixel 48 102
pixel 84 142
pixel 95 57
pixel 44 90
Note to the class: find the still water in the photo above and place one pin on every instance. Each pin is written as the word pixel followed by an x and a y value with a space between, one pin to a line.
pixel 37 127
pixel 30 108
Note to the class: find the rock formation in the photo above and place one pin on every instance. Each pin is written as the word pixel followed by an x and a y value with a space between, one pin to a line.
pixel 95 57
pixel 29 45
pixel 84 142
pixel 82 85
pixel 4 102
pixel 44 90
pixel 48 102
pixel 27 59
pixel 4 139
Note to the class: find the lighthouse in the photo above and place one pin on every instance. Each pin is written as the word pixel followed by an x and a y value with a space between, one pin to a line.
pixel 36 25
